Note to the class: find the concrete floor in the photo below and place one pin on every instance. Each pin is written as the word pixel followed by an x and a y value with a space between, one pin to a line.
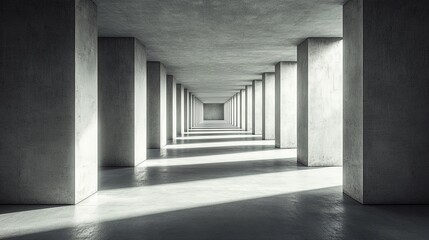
pixel 217 182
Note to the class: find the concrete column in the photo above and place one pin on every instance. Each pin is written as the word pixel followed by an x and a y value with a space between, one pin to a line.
pixel 249 108
pixel 386 89
pixel 234 112
pixel 286 104
pixel 48 101
pixel 189 110
pixel 238 109
pixel 186 110
pixel 243 109
pixel 171 108
pixel 156 105
pixel 224 111
pixel 192 111
pixel 257 107
pixel 122 102
pixel 230 110
pixel 268 106
pixel 320 102
pixel 180 110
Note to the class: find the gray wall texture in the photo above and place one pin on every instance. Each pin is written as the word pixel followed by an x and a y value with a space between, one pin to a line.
pixel 213 111
pixel 386 91
pixel 122 101
pixel 48 101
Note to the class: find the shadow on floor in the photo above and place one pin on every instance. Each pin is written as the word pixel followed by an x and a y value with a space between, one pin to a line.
pixel 316 214
pixel 153 154
pixel 114 178
pixel 6 208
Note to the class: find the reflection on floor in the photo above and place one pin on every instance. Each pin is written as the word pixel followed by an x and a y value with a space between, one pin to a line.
pixel 217 190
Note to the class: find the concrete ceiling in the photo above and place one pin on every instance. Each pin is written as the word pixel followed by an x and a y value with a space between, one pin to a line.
pixel 216 47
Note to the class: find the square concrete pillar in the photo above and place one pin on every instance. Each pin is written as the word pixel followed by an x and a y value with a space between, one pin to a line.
pixel 257 107
pixel 234 112
pixel 180 110
pixel 156 105
pixel 230 111
pixel 386 89
pixel 171 108
pixel 189 108
pixel 286 104
pixel 186 110
pixel 320 81
pixel 243 109
pixel 122 102
pixel 48 101
pixel 192 112
pixel 268 106
pixel 249 108
pixel 238 109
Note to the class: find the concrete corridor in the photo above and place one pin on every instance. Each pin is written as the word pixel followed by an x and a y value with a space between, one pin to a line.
pixel 217 182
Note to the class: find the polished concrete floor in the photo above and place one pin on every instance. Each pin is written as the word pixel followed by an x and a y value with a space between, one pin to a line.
pixel 217 182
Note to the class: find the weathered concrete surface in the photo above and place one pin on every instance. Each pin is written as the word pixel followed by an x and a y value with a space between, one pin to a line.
pixel 353 100
pixel 180 109
pixel 171 108
pixel 213 111
pixel 268 106
pixel 217 45
pixel 122 102
pixel 286 104
pixel 48 101
pixel 249 107
pixel 243 112
pixel 386 91
pixel 257 107
pixel 156 105
pixel 320 114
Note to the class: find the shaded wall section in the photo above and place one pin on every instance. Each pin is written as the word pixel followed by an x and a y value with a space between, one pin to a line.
pixel 386 95
pixel 48 101
pixel 122 101
pixel 213 111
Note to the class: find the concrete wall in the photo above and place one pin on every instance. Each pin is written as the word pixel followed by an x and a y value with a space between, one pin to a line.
pixel 249 107
pixel 353 100
pixel 213 111
pixel 156 105
pixel 257 107
pixel 171 108
pixel 320 96
pixel 286 104
pixel 180 109
pixel 122 101
pixel 49 127
pixel 268 106
pixel 386 91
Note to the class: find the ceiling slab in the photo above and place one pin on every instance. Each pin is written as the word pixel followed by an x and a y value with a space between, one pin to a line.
pixel 220 44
